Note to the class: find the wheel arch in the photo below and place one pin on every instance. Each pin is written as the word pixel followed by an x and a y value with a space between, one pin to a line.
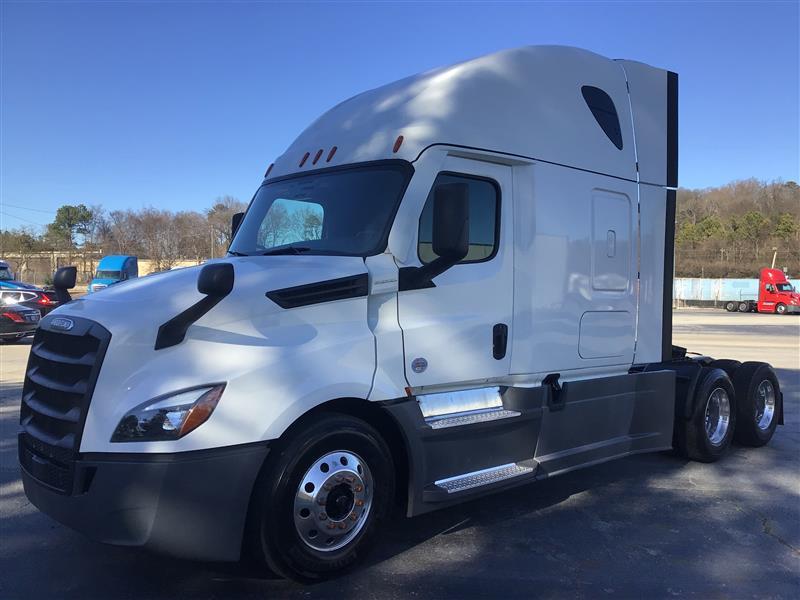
pixel 378 417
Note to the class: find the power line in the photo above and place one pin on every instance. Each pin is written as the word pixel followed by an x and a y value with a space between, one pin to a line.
pixel 49 212
pixel 7 214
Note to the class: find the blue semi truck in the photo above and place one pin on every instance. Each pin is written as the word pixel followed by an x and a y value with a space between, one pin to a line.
pixel 113 269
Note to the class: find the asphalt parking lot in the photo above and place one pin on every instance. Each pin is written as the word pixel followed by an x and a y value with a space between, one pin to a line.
pixel 646 526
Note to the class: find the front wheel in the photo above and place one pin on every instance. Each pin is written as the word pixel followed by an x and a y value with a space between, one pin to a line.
pixel 320 498
pixel 780 309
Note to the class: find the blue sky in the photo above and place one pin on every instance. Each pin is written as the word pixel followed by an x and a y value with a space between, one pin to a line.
pixel 172 104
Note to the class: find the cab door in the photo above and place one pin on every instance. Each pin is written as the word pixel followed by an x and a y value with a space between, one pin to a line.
pixel 457 331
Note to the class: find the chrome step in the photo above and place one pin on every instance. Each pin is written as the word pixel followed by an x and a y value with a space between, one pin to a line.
pixel 475 479
pixel 470 418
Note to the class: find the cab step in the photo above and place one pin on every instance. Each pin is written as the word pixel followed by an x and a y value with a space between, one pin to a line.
pixel 484 477
pixel 470 418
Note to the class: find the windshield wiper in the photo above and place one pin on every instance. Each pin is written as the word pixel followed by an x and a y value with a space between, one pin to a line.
pixel 286 250
pixel 234 253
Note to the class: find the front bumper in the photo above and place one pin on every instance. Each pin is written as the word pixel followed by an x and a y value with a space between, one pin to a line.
pixel 190 505
pixel 793 309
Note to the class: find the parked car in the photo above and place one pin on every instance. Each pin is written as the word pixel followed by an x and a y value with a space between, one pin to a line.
pixel 17 321
pixel 17 292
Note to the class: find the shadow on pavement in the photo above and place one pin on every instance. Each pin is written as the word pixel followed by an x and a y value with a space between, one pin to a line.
pixel 652 525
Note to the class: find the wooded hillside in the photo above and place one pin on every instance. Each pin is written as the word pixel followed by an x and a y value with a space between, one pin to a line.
pixel 731 231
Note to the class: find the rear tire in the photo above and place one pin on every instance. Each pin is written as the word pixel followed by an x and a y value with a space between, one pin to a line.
pixel 744 307
pixel 730 306
pixel 758 403
pixel 780 309
pixel 301 524
pixel 707 434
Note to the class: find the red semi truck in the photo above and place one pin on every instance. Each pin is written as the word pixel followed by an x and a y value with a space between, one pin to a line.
pixel 775 295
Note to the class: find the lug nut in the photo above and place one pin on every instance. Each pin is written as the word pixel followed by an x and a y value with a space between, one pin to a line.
pixel 331 526
pixel 359 502
pixel 342 525
pixel 322 516
pixel 353 516
pixel 359 488
pixel 350 479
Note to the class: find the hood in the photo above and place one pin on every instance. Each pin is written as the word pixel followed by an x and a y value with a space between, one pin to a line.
pixel 246 340
pixel 137 307
pixel 103 281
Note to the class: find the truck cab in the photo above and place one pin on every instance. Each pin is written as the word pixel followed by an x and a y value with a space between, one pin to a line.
pixel 776 294
pixel 447 286
pixel 113 269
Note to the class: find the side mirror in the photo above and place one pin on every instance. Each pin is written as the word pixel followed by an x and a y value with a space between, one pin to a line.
pixel 216 280
pixel 451 221
pixel 63 280
pixel 236 220
pixel 450 236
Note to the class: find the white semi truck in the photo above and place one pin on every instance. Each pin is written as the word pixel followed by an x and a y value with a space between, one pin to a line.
pixel 446 287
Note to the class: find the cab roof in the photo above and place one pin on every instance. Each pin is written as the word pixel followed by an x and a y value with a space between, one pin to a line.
pixel 526 101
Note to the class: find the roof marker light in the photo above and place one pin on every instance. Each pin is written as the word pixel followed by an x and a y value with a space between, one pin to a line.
pixel 316 156
pixel 269 168
pixel 397 143
pixel 305 158
pixel 331 153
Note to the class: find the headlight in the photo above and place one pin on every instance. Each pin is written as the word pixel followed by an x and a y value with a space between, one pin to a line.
pixel 169 417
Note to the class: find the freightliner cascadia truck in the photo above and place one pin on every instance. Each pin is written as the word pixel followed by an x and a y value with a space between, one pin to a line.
pixel 446 287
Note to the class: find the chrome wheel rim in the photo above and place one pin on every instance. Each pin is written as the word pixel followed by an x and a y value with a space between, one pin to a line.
pixel 765 404
pixel 333 501
pixel 718 416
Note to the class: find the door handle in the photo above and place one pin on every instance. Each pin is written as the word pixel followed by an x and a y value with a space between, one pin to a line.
pixel 499 340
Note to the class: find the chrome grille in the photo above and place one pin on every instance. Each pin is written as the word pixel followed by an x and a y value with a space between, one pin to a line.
pixel 59 380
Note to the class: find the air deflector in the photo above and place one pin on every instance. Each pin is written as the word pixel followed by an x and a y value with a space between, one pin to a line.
pixel 605 113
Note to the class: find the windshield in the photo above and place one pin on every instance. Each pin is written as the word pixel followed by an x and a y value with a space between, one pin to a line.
pixel 785 287
pixel 344 211
pixel 5 274
pixel 107 275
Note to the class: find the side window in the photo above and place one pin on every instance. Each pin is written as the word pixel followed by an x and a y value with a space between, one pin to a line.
pixel 605 113
pixel 484 215
pixel 290 221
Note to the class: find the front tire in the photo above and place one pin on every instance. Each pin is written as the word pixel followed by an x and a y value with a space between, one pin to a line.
pixel 320 498
pixel 758 396
pixel 707 434
pixel 780 309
